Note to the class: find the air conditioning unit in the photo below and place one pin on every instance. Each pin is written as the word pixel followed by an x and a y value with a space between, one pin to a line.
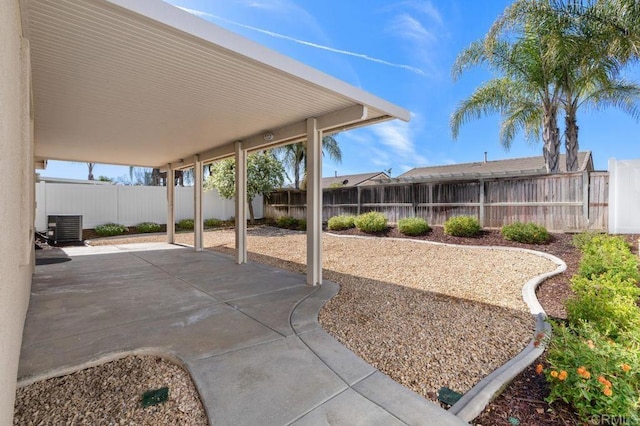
pixel 65 228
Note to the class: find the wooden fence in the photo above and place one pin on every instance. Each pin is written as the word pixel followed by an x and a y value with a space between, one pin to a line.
pixel 561 202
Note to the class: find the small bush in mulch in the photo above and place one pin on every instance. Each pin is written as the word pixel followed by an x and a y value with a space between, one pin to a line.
pixel 339 223
pixel 462 226
pixel 371 222
pixel 413 226
pixel 290 222
pixel 110 229
pixel 186 224
pixel 148 227
pixel 528 233
pixel 583 238
pixel 213 223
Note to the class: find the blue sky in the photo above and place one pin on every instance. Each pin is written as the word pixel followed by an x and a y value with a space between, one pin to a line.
pixel 401 51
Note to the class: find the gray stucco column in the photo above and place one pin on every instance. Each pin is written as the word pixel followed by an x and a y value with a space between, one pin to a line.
pixel 241 204
pixel 314 203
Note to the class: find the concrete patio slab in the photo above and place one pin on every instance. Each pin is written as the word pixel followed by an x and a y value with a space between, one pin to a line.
pixel 276 383
pixel 348 409
pixel 341 360
pixel 248 334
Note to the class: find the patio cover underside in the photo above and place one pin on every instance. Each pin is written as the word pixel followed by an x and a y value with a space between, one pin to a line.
pixel 144 83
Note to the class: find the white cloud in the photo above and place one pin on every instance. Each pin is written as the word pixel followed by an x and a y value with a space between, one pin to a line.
pixel 407 27
pixel 397 136
pixel 307 43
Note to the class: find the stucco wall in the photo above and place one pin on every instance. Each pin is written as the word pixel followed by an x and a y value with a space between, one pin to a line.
pixel 16 193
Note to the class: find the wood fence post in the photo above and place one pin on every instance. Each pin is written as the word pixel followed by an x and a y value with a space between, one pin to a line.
pixel 414 198
pixel 288 203
pixel 430 201
pixel 481 207
pixel 359 198
pixel 585 197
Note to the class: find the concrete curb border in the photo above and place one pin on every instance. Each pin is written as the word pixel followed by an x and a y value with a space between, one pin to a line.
pixel 477 398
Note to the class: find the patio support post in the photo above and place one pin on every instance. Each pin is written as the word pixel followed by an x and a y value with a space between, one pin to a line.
pixel 197 203
pixel 171 204
pixel 241 204
pixel 314 203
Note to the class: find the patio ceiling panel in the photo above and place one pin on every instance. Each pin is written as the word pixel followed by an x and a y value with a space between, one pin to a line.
pixel 145 83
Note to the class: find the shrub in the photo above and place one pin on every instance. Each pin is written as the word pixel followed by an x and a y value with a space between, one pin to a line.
pixel 186 224
pixel 111 229
pixel 608 255
pixel 462 226
pixel 413 226
pixel 147 227
pixel 528 233
pixel 371 222
pixel 593 373
pixel 287 222
pixel 338 223
pixel 290 222
pixel 584 238
pixel 213 223
pixel 608 303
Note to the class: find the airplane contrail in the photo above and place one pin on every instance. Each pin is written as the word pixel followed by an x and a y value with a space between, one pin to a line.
pixel 307 43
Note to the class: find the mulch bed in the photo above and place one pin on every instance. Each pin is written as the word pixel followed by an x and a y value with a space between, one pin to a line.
pixel 522 402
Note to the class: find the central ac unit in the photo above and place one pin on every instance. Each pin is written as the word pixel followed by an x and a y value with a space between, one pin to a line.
pixel 65 228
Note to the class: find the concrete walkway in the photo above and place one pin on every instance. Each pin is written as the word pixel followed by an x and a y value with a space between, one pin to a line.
pixel 248 334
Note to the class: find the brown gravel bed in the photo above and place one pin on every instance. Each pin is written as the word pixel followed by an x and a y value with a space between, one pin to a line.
pixel 110 394
pixel 426 315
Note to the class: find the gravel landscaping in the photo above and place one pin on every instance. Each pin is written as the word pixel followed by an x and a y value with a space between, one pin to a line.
pixel 110 394
pixel 426 315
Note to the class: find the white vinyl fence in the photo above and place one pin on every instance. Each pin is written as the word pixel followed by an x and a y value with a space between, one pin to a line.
pixel 624 196
pixel 126 205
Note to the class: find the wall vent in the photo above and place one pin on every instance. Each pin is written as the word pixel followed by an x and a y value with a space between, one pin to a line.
pixel 65 228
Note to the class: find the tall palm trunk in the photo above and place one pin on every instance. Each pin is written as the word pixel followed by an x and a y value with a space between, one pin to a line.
pixel 551 139
pixel 571 139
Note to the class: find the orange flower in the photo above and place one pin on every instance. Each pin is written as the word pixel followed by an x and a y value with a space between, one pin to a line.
pixel 581 370
pixel 563 375
pixel 539 368
pixel 607 391
pixel 586 375
pixel 554 374
pixel 604 381
pixel 625 367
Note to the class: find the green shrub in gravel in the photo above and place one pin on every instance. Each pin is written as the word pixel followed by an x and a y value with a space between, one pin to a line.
pixel 338 223
pixel 371 222
pixel 413 226
pixel 290 222
pixel 186 224
pixel 528 233
pixel 462 226
pixel 213 223
pixel 111 229
pixel 147 227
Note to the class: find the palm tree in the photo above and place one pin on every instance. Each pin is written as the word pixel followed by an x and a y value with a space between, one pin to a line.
pixel 523 93
pixel 294 157
pixel 588 43
pixel 90 166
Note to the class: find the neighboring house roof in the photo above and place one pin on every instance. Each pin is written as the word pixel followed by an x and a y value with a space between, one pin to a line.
pixel 354 180
pixel 512 166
